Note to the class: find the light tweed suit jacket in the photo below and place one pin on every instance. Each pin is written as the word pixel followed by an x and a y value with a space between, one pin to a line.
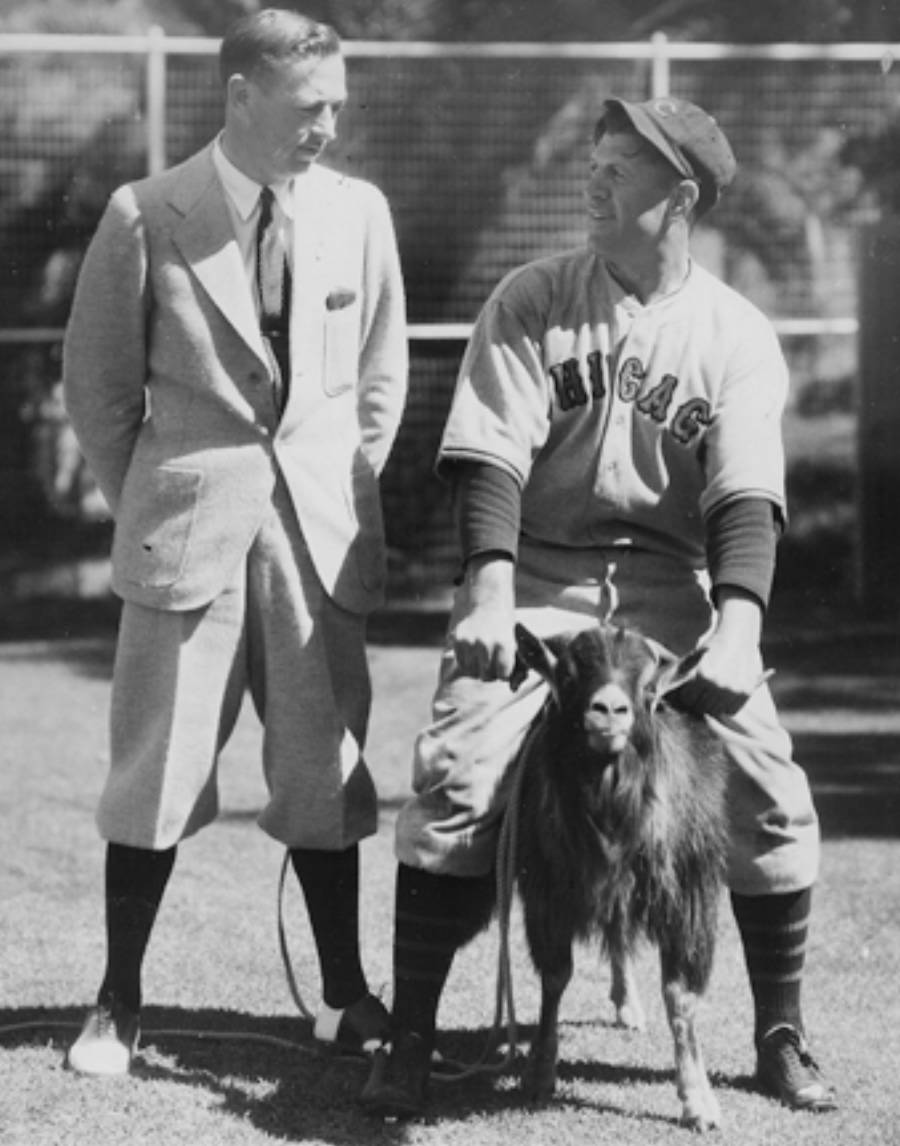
pixel 167 384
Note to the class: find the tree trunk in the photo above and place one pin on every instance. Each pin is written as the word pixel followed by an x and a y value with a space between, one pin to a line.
pixel 879 419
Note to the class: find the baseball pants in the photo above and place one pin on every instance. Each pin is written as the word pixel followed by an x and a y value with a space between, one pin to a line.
pixel 460 763
pixel 179 682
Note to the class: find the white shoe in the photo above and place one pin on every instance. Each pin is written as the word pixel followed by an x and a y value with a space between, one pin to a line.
pixel 107 1042
pixel 361 1028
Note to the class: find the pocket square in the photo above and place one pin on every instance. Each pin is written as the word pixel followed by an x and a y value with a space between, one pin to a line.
pixel 340 297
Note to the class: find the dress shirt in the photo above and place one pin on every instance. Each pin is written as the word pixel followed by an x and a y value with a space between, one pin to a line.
pixel 242 197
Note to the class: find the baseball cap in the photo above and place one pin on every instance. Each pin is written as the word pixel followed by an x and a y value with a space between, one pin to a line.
pixel 688 137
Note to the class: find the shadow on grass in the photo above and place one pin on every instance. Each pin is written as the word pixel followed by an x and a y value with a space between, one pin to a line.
pixel 268 1071
pixel 265 1070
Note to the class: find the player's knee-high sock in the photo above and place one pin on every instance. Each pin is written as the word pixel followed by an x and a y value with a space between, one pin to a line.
pixel 435 915
pixel 330 882
pixel 773 931
pixel 135 881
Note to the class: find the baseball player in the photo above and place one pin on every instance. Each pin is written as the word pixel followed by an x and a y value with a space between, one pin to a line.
pixel 615 453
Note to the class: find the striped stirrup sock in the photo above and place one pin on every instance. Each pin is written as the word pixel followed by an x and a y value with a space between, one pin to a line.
pixel 773 930
pixel 435 915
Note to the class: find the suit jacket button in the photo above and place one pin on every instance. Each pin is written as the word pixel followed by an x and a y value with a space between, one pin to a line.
pixel 253 378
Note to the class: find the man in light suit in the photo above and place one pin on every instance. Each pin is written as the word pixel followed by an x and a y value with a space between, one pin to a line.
pixel 238 442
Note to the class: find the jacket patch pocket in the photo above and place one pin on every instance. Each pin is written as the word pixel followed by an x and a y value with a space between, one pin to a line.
pixel 341 364
pixel 156 520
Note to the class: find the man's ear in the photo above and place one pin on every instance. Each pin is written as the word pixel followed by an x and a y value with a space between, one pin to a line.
pixel 237 92
pixel 684 198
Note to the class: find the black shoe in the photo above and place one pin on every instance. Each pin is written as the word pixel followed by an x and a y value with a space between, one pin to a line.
pixel 359 1029
pixel 107 1041
pixel 398 1082
pixel 786 1070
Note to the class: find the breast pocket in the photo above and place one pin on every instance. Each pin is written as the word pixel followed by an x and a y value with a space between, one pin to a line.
pixel 155 524
pixel 341 366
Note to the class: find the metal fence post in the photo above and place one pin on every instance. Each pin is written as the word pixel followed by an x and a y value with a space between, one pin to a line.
pixel 660 66
pixel 156 99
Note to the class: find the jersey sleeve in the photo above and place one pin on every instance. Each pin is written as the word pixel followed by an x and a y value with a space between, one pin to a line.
pixel 500 408
pixel 743 450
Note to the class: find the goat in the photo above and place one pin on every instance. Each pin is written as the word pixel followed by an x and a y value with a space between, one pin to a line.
pixel 621 833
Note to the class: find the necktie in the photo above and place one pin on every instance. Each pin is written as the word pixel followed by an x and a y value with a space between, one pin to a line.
pixel 273 283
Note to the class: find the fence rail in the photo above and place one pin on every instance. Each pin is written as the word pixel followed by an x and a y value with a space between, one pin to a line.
pixel 460 331
pixel 660 53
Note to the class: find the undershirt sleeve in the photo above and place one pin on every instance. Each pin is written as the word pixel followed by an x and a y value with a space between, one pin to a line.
pixel 741 539
pixel 742 535
pixel 488 503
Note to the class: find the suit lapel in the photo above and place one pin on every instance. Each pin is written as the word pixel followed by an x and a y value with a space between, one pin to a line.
pixel 313 241
pixel 206 239
pixel 313 238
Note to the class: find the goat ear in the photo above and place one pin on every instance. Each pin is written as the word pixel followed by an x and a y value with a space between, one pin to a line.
pixel 537 655
pixel 672 674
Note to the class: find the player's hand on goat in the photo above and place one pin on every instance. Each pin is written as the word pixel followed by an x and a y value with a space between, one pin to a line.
pixel 718 683
pixel 728 666
pixel 483 636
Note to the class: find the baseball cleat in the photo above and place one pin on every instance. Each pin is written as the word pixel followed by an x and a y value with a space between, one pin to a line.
pixel 786 1070
pixel 398 1082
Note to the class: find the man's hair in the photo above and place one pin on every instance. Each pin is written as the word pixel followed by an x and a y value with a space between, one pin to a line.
pixel 257 44
pixel 615 122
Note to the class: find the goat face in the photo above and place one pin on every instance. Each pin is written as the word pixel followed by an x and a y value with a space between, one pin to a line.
pixel 608 719
pixel 603 682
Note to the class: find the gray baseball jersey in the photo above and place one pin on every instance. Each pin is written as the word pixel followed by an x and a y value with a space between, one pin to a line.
pixel 625 424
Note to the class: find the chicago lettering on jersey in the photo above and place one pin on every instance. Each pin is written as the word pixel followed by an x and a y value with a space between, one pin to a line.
pixel 652 401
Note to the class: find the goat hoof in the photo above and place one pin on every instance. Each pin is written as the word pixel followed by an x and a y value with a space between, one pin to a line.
pixel 538 1083
pixel 701 1113
pixel 631 1017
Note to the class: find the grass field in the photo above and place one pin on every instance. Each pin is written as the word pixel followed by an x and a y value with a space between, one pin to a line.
pixel 214 966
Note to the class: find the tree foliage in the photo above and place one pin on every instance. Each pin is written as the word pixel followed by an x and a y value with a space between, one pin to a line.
pixel 493 20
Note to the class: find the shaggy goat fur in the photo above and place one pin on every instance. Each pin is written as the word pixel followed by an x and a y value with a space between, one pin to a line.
pixel 621 834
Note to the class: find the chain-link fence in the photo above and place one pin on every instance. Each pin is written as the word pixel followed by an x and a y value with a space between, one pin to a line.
pixel 482 152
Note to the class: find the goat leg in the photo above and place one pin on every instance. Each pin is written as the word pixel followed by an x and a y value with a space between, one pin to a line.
pixel 623 991
pixel 553 961
pixel 699 1106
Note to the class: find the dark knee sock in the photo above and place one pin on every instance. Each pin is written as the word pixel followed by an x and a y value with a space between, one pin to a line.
pixel 135 881
pixel 330 883
pixel 773 931
pixel 435 915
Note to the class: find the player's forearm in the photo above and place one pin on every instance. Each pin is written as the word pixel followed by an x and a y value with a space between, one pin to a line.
pixel 488 504
pixel 739 621
pixel 741 539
